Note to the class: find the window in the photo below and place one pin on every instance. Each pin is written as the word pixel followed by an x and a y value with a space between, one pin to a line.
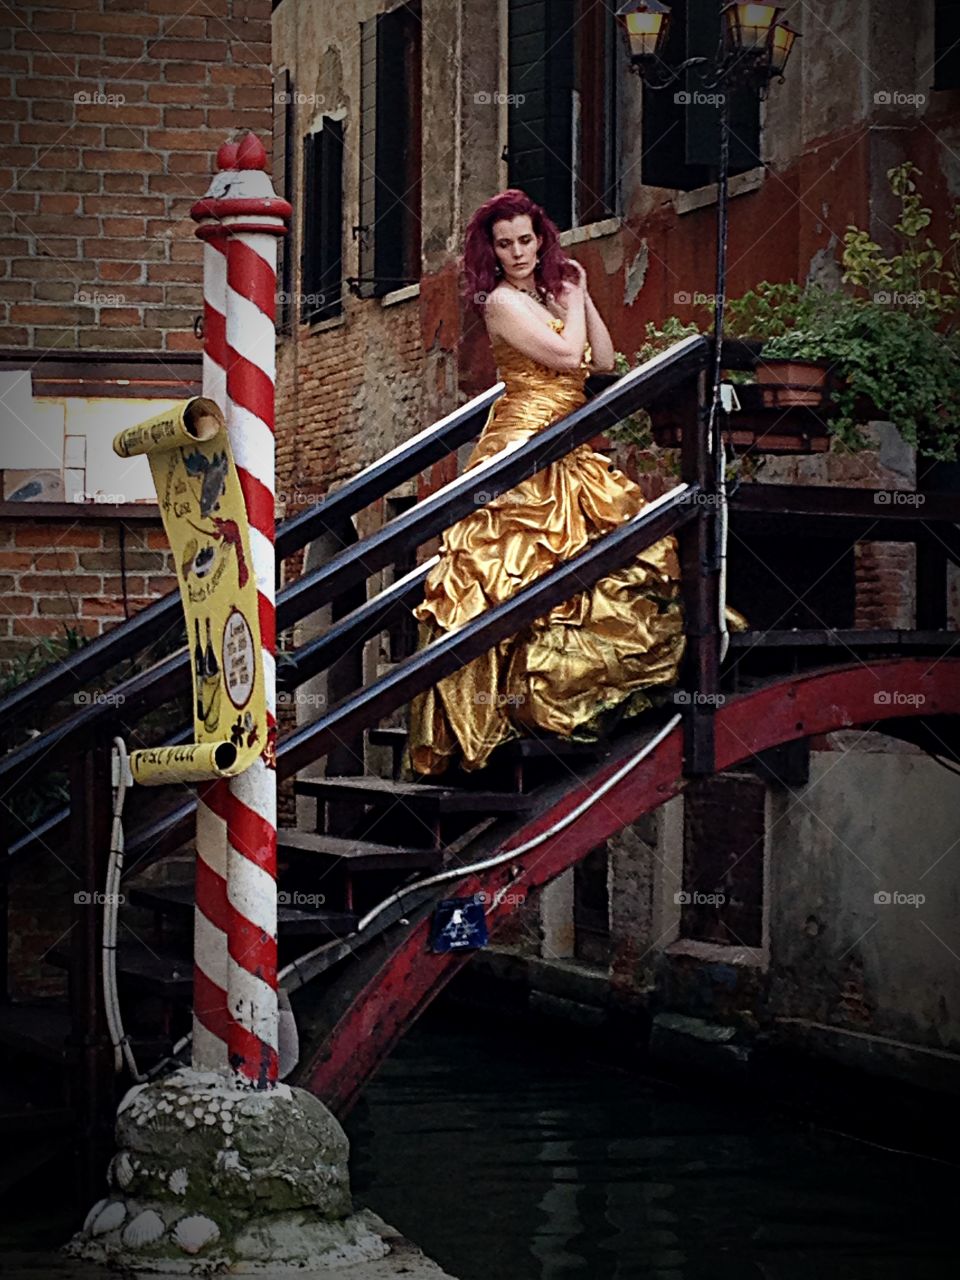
pixel 565 67
pixel 680 132
pixel 390 151
pixel 284 132
pixel 322 261
pixel 946 37
pixel 591 908
pixel 724 828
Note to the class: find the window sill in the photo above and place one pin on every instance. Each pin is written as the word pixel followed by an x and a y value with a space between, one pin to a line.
pixel 590 231
pixel 331 322
pixel 740 184
pixel 401 295
pixel 80 512
pixel 718 952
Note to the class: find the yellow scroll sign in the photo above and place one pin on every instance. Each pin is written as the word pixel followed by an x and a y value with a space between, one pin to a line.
pixel 206 524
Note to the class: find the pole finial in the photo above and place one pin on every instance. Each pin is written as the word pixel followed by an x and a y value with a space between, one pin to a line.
pixel 251 153
pixel 227 156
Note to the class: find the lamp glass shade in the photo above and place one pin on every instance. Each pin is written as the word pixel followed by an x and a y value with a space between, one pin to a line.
pixel 646 26
pixel 781 42
pixel 749 26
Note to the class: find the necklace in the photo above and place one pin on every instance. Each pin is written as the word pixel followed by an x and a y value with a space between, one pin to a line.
pixel 531 293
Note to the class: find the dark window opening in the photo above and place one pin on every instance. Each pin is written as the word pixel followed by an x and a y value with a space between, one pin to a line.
pixel 389 230
pixel 680 131
pixel 723 842
pixel 322 272
pixel 591 908
pixel 787 583
pixel 946 44
pixel 564 72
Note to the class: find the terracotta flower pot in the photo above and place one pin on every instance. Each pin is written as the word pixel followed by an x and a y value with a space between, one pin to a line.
pixel 792 382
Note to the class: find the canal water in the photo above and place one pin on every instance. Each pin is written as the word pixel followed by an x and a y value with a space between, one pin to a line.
pixel 506 1158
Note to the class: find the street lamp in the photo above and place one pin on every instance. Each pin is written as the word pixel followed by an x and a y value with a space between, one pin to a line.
pixel 646 27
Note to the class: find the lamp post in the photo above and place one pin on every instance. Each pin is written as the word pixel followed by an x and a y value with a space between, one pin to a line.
pixel 753 46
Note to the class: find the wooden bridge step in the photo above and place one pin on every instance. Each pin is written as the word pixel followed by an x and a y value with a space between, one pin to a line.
pixel 39 1031
pixel 157 969
pixel 357 855
pixel 847 638
pixel 421 797
pixel 527 748
pixel 177 899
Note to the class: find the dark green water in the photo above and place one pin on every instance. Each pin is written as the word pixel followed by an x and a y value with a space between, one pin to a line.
pixel 504 1161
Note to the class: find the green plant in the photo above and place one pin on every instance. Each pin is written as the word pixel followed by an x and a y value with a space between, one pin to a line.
pixel 892 341
pixel 22 667
pixel 636 428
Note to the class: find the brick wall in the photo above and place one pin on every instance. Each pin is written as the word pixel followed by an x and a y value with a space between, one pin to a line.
pixel 57 574
pixel 346 395
pixel 111 112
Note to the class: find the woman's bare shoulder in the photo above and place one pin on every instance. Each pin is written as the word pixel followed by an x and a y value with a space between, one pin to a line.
pixel 503 309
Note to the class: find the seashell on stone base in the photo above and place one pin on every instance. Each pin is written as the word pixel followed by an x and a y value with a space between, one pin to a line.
pixel 144 1229
pixel 195 1232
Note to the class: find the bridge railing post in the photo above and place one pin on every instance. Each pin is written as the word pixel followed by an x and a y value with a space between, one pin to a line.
pixel 700 568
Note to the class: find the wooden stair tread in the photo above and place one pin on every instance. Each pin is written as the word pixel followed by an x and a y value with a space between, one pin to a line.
pixel 39 1030
pixel 160 969
pixel 527 748
pixel 21 1159
pixel 384 791
pixel 359 854
pixel 290 918
pixel 845 638
pixel 27 1117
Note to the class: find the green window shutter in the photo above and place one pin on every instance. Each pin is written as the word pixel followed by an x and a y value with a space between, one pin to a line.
pixel 388 231
pixel 366 231
pixel 702 141
pixel 540 119
pixel 664 122
pixel 392 115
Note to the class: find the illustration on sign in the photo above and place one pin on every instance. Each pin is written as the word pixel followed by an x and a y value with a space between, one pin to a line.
pixel 458 924
pixel 205 520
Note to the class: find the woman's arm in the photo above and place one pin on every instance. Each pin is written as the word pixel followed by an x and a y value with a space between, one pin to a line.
pixel 508 317
pixel 598 335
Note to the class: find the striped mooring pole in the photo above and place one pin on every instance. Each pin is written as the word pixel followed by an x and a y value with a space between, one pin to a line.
pixel 235 1021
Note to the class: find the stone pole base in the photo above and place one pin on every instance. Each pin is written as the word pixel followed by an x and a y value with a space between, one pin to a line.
pixel 210 1177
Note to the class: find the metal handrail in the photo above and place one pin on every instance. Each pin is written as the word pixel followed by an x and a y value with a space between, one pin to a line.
pixel 448 653
pixel 353 564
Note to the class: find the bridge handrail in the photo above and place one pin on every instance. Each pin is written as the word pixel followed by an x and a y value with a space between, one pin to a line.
pixel 422 669
pixel 144 692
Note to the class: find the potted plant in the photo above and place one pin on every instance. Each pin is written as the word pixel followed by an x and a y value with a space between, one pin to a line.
pixel 887 349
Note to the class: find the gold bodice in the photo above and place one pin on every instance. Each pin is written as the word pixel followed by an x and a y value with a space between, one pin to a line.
pixel 550 392
pixel 535 396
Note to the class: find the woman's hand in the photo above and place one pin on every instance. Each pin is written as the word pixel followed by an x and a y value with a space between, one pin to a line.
pixel 581 273
pixel 571 290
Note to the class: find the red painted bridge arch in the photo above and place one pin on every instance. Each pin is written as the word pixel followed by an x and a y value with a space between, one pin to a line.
pixel 792 707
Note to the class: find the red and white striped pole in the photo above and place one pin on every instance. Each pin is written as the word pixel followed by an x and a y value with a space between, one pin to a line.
pixel 251 217
pixel 210 1018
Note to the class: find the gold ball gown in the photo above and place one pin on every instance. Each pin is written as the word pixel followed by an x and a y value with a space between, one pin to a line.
pixel 590 660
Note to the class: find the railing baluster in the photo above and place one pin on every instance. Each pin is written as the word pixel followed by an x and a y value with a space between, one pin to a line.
pixel 88 1044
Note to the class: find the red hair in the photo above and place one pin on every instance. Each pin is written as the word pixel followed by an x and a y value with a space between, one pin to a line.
pixel 479 263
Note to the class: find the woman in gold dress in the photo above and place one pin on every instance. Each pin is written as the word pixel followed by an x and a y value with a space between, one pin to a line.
pixel 597 656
